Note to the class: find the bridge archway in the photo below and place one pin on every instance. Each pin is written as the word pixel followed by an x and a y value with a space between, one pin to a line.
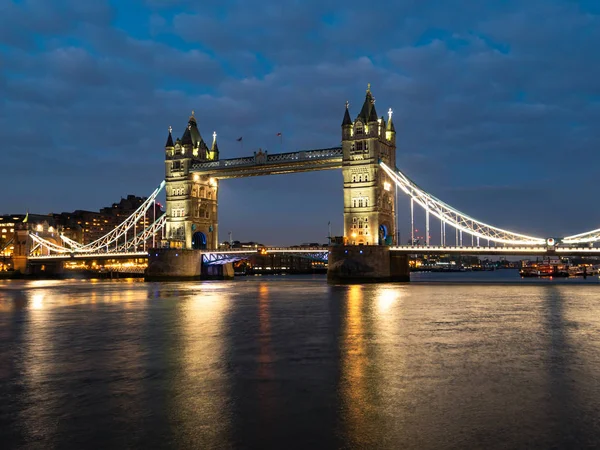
pixel 199 241
pixel 383 234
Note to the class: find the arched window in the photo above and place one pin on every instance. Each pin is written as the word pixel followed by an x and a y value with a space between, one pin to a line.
pixel 359 128
pixel 354 178
pixel 366 178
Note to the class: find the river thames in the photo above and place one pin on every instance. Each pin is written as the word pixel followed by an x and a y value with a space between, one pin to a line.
pixel 481 360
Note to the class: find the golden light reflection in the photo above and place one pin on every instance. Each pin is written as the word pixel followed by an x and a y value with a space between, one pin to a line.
pixel 39 365
pixel 386 298
pixel 354 364
pixel 265 357
pixel 200 401
pixel 37 300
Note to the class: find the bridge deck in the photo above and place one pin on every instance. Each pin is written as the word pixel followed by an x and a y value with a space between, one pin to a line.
pixel 408 249
pixel 265 164
pixel 505 251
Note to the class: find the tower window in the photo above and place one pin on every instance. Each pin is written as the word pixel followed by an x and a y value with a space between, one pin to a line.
pixel 359 129
pixel 359 145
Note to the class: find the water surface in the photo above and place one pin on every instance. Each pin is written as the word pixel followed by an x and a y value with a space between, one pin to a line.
pixel 476 360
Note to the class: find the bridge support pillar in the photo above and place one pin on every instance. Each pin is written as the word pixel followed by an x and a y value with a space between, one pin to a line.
pixel 176 264
pixel 366 264
pixel 22 244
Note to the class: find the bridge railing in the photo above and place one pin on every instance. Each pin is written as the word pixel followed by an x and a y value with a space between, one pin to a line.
pixel 303 155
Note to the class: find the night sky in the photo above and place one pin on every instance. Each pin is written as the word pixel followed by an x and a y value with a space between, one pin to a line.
pixel 496 104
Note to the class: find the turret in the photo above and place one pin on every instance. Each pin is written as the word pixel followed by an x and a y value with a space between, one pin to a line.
pixel 368 114
pixel 214 149
pixel 390 131
pixel 169 146
pixel 346 124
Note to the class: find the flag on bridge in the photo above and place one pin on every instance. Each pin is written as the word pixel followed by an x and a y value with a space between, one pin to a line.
pixel 278 134
pixel 239 139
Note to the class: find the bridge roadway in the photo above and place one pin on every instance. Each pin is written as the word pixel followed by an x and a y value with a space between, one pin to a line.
pixel 504 251
pixel 221 256
pixel 83 256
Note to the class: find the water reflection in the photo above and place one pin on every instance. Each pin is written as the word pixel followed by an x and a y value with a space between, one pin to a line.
pixel 267 397
pixel 37 367
pixel 199 406
pixel 297 364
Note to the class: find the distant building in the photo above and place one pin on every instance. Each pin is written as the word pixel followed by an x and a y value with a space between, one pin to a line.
pixel 80 225
pixel 87 226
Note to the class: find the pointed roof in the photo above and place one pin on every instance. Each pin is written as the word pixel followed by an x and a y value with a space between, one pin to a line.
pixel 170 139
pixel 215 147
pixel 347 120
pixel 368 113
pixel 192 135
pixel 390 124
pixel 186 139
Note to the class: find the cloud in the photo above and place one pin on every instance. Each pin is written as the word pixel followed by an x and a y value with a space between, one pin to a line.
pixel 507 95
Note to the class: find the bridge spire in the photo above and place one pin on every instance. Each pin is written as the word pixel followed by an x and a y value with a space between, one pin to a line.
pixel 170 138
pixel 214 150
pixel 367 113
pixel 390 124
pixel 347 120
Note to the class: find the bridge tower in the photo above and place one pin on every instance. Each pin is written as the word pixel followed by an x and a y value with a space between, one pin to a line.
pixel 369 198
pixel 192 200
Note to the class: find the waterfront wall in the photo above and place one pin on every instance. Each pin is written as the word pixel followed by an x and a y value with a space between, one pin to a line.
pixel 366 264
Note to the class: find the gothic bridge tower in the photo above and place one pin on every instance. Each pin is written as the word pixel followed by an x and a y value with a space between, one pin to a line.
pixel 192 205
pixel 369 200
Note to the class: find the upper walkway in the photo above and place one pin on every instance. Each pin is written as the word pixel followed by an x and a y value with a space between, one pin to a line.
pixel 264 164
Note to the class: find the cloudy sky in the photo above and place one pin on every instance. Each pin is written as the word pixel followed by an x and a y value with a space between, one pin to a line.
pixel 497 104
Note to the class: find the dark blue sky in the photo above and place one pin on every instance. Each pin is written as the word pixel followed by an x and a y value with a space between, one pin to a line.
pixel 497 104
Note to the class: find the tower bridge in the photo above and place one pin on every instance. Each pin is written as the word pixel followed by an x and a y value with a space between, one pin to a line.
pixel 186 237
